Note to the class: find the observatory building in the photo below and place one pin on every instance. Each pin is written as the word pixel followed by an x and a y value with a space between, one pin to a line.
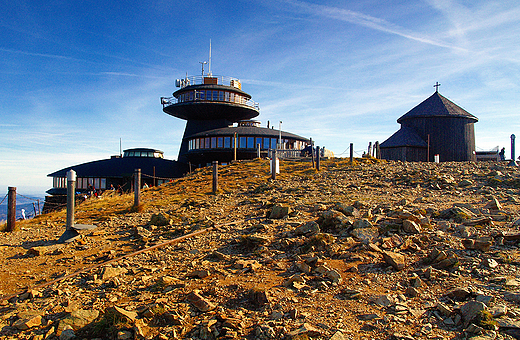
pixel 219 128
pixel 437 126
pixel 212 105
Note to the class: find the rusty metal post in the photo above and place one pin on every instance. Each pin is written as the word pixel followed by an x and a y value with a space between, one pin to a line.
pixel 11 208
pixel 351 152
pixel 137 187
pixel 318 158
pixel 215 177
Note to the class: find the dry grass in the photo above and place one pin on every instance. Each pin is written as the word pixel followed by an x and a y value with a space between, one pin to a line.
pixel 243 175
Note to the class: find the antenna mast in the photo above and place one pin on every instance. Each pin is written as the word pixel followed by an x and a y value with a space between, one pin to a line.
pixel 209 64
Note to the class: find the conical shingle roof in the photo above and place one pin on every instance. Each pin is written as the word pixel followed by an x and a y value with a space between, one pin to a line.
pixel 437 106
pixel 404 137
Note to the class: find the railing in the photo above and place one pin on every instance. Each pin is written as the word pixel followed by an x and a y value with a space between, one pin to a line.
pixel 286 154
pixel 167 101
pixel 199 80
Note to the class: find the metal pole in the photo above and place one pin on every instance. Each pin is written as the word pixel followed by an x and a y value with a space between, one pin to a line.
pixel 137 187
pixel 70 233
pixel 280 136
pixel 318 158
pixel 11 208
pixel 215 177
pixel 273 165
pixel 351 152
pixel 71 196
pixel 513 159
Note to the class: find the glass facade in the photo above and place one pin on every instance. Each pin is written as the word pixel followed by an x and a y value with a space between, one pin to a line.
pixel 244 142
pixel 213 95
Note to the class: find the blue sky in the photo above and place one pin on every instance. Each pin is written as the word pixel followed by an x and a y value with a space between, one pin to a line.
pixel 79 76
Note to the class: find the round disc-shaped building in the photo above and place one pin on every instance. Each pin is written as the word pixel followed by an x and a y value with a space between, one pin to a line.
pixel 212 105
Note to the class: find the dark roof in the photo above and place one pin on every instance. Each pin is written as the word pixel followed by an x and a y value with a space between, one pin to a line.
pixel 404 137
pixel 247 131
pixel 437 106
pixel 124 167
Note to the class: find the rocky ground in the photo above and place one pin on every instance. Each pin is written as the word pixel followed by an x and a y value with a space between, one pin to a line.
pixel 371 250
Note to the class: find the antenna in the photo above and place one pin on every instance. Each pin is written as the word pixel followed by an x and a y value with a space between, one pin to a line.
pixel 202 63
pixel 209 66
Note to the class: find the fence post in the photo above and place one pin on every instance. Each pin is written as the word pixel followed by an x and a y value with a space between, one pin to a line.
pixel 513 160
pixel 71 196
pixel 137 187
pixel 11 208
pixel 318 158
pixel 273 165
pixel 215 177
pixel 235 146
pixel 257 150
pixel 70 233
pixel 312 152
pixel 378 150
pixel 71 228
pixel 351 152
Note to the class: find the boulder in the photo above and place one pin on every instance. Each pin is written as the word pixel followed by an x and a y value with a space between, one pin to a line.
pixel 396 260
pixel 279 211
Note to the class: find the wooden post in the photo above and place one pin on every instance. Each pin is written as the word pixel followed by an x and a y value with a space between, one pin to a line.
pixel 351 152
pixel 137 187
pixel 11 208
pixel 273 165
pixel 369 149
pixel 377 151
pixel 312 152
pixel 258 150
pixel 235 147
pixel 318 158
pixel 215 177
pixel 428 150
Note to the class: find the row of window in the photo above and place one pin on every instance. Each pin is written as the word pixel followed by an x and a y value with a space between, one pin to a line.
pixel 86 183
pixel 243 142
pixel 213 95
pixel 81 183
pixel 148 154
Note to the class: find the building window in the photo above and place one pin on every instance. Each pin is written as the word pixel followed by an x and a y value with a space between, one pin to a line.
pixel 213 142
pixel 215 95
pixel 207 144
pixel 266 143
pixel 250 142
pixel 242 143
pixel 220 142
pixel 221 96
pixel 258 141
pixel 227 142
pixel 273 143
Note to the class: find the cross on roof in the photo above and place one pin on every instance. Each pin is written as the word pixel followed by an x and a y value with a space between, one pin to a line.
pixel 436 86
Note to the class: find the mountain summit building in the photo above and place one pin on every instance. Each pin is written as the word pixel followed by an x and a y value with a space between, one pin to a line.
pixel 212 105
pixel 437 126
